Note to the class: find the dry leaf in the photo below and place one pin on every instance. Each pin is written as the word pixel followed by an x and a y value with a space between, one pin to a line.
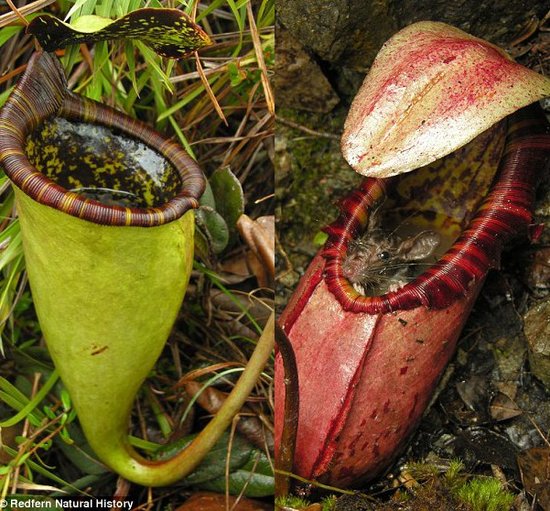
pixel 259 235
pixel 534 465
pixel 503 408
pixel 236 266
pixel 249 425
pixel 206 501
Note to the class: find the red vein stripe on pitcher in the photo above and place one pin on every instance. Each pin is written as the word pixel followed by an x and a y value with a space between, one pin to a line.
pixel 43 94
pixel 506 211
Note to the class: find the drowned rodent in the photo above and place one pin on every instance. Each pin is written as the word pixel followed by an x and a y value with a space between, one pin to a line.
pixel 383 260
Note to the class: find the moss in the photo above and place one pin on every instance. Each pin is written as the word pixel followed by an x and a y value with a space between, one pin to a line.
pixel 291 502
pixel 328 503
pixel 455 473
pixel 427 488
pixel 315 178
pixel 433 493
pixel 453 490
pixel 485 494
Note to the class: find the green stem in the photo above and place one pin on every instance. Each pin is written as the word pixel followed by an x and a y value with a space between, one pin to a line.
pixel 158 473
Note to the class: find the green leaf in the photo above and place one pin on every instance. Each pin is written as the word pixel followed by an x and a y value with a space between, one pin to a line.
pixel 214 227
pixel 149 58
pixel 207 198
pixel 229 197
pixel 4 95
pixel 181 137
pixel 170 32
pixel 214 464
pixel 66 400
pixel 213 276
pixel 80 7
pixel 236 76
pixel 41 470
pixel 255 477
pixel 90 23
pixel 7 33
pixel 202 247
pixel 320 239
pixel 30 405
pixel 80 453
pixel 197 91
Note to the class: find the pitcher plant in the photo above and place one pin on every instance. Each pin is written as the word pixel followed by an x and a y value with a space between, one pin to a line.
pixel 106 212
pixel 376 318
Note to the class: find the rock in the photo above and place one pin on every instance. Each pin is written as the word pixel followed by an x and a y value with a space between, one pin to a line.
pixel 292 64
pixel 498 21
pixel 339 30
pixel 537 332
pixel 352 31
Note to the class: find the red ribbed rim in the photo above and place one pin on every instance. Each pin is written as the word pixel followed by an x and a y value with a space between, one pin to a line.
pixel 505 212
pixel 41 93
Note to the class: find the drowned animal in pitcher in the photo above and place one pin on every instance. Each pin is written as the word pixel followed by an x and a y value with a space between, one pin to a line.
pixel 381 260
pixel 371 342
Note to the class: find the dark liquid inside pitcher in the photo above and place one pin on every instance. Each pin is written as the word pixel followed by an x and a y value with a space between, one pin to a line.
pixel 100 164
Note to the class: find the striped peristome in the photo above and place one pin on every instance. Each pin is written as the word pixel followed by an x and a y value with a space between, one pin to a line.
pixel 504 213
pixel 42 94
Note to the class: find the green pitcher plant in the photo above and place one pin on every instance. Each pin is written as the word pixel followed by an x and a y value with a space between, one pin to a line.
pixel 376 341
pixel 106 212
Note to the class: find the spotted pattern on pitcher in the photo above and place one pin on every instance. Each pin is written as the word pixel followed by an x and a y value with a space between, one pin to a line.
pixel 41 95
pixel 170 32
pixel 101 165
